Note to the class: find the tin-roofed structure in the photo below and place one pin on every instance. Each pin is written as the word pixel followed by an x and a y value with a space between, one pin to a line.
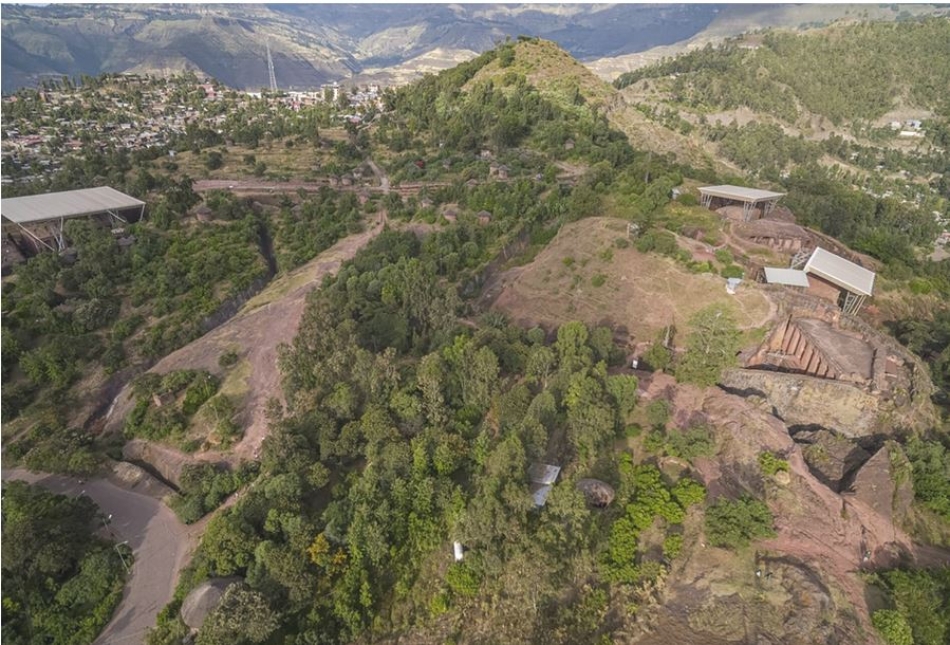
pixel 40 218
pixel 542 478
pixel 853 282
pixel 786 277
pixel 748 197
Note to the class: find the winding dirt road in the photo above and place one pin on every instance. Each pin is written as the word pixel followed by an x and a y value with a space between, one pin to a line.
pixel 160 543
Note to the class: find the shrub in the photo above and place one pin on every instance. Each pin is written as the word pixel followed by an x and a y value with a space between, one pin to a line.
pixel 733 524
pixel 893 627
pixel 771 464
pixel 687 199
pixel 228 358
pixel 920 286
pixel 732 271
pixel 658 413
pixel 689 444
pixel 462 580
pixel 724 256
pixel 202 388
pixel 711 347
pixel 662 242
pixel 658 357
pixel 672 545
pixel 598 280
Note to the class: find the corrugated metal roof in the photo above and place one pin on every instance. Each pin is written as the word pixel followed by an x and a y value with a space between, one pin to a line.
pixel 844 273
pixel 790 277
pixel 741 193
pixel 543 473
pixel 70 203
pixel 539 493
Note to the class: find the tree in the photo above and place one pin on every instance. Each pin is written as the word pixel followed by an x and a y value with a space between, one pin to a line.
pixel 711 346
pixel 893 627
pixel 733 524
pixel 214 160
pixel 242 617
pixel 60 582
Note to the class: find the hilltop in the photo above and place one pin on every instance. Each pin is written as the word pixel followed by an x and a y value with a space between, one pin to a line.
pixel 571 85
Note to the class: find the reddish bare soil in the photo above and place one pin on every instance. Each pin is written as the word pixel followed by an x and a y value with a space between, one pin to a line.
pixel 640 292
pixel 266 321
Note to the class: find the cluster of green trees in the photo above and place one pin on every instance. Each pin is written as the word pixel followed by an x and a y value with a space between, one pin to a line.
pixel 204 487
pixel 165 405
pixel 648 498
pixel 847 74
pixel 110 305
pixel 763 149
pixel 303 231
pixel 919 606
pixel 450 114
pixel 880 226
pixel 406 429
pixel 734 523
pixel 930 460
pixel 60 581
pixel 929 338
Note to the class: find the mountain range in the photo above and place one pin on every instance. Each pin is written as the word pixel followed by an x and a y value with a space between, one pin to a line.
pixel 313 44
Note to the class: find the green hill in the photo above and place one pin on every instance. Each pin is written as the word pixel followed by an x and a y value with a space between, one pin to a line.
pixel 843 73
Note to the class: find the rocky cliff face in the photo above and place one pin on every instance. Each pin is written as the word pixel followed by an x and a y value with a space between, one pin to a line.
pixel 804 401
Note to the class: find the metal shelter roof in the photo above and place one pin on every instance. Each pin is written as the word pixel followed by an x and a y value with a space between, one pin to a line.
pixel 844 273
pixel 542 478
pixel 543 473
pixel 790 277
pixel 70 203
pixel 740 193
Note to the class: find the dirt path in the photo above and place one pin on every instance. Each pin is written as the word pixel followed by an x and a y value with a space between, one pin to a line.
pixel 248 185
pixel 266 321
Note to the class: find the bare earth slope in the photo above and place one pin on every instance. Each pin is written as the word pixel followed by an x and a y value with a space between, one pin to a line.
pixel 641 292
pixel 266 321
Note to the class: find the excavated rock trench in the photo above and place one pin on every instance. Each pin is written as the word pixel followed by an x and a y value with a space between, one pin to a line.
pixel 837 514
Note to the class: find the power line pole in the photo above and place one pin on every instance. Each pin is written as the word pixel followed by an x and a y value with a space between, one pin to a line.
pixel 270 69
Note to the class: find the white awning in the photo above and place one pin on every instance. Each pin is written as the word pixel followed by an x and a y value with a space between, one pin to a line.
pixel 789 277
pixel 837 270
pixel 741 193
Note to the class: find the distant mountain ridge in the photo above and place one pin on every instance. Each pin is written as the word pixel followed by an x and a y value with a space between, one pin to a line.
pixel 314 44
pixel 310 44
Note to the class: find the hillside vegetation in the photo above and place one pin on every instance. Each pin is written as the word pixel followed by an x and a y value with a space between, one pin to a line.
pixel 411 414
pixel 60 580
pixel 859 71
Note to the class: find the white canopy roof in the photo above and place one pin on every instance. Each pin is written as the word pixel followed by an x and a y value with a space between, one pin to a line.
pixel 790 277
pixel 740 193
pixel 70 203
pixel 844 273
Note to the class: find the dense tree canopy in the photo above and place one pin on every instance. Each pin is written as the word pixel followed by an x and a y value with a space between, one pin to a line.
pixel 60 581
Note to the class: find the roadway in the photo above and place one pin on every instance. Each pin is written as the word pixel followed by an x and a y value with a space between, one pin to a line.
pixel 160 544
